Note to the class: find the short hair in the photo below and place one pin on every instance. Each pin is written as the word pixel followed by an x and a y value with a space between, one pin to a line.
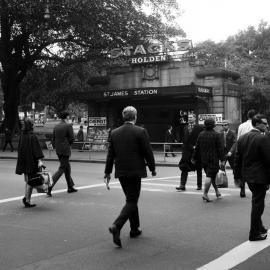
pixel 28 124
pixel 129 113
pixel 257 119
pixel 251 113
pixel 64 114
pixel 209 123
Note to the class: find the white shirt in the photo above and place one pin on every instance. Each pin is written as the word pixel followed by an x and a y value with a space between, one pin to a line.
pixel 244 128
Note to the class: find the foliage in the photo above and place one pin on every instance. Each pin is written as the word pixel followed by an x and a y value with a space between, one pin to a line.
pixel 247 53
pixel 76 31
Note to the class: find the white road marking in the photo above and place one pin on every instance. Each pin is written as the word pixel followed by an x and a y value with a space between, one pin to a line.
pixel 237 255
pixel 230 259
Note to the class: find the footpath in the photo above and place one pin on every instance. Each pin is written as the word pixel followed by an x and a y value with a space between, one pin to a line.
pixel 94 157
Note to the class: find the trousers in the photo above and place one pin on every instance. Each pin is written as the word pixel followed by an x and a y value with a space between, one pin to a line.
pixel 131 187
pixel 257 207
pixel 64 168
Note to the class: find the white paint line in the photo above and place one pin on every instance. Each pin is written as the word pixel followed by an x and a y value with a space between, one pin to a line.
pixel 184 193
pixel 98 185
pixel 54 192
pixel 237 255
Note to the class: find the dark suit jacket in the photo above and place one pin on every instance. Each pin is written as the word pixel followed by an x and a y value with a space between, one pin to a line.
pixel 63 137
pixel 252 158
pixel 209 149
pixel 230 140
pixel 130 148
pixel 190 139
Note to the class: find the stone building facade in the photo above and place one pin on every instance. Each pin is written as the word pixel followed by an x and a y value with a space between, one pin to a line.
pixel 160 91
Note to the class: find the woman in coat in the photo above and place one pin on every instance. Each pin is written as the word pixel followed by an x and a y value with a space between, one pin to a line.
pixel 29 158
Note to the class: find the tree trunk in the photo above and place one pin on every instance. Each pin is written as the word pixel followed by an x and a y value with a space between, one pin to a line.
pixel 11 89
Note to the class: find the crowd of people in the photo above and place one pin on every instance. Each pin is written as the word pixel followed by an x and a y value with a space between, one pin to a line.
pixel 248 154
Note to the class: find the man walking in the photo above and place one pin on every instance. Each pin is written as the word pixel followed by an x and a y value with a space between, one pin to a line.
pixel 229 139
pixel 191 133
pixel 130 148
pixel 243 129
pixel 8 139
pixel 252 161
pixel 63 137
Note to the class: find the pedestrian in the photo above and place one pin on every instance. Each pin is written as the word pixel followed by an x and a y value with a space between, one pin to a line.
pixel 229 139
pixel 80 135
pixel 243 129
pixel 191 133
pixel 63 137
pixel 169 138
pixel 209 151
pixel 29 158
pixel 252 161
pixel 130 149
pixel 8 139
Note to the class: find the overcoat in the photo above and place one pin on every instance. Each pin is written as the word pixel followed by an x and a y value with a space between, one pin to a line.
pixel 252 158
pixel 190 139
pixel 209 150
pixel 29 151
pixel 63 137
pixel 130 149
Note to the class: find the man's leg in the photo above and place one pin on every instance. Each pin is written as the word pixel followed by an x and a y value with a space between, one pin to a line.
pixel 199 177
pixel 68 177
pixel 257 208
pixel 183 180
pixel 131 188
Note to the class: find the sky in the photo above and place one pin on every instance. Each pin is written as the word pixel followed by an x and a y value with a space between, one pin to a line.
pixel 219 19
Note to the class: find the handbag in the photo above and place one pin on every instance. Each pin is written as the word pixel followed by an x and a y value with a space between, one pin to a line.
pixel 221 179
pixel 41 180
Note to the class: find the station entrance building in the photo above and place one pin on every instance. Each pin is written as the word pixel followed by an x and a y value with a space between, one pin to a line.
pixel 163 90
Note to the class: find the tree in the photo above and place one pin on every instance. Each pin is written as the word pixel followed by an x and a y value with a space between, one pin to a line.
pixel 81 30
pixel 248 54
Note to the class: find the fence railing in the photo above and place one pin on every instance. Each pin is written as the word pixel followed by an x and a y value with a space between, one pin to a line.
pixel 162 148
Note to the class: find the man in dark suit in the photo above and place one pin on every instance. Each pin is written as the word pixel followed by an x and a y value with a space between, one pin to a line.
pixel 63 137
pixel 130 148
pixel 252 159
pixel 229 139
pixel 191 133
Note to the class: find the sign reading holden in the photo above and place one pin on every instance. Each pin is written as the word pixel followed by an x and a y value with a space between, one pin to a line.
pixel 154 52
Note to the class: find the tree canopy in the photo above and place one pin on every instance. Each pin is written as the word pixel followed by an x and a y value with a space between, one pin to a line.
pixel 42 32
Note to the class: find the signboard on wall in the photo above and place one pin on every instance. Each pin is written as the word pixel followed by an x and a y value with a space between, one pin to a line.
pixel 216 116
pixel 97 122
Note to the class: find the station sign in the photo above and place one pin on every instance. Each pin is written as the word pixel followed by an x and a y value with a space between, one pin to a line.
pixel 216 116
pixel 97 122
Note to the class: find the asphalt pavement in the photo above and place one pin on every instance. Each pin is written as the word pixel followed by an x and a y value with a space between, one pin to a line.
pixel 180 231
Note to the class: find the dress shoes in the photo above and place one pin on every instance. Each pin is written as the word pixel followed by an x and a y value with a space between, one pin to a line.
pixel 135 233
pixel 72 189
pixel 218 195
pixel 199 188
pixel 27 204
pixel 116 235
pixel 259 237
pixel 180 188
pixel 49 192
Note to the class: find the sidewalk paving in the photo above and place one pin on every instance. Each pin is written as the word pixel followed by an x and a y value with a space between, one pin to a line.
pixel 95 157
